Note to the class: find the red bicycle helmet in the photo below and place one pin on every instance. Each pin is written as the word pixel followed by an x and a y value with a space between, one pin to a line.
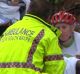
pixel 63 17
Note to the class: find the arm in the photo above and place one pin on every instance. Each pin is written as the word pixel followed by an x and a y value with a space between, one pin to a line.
pixel 54 63
pixel 27 2
pixel 72 65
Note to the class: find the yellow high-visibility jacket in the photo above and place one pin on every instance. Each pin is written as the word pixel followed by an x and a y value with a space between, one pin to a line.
pixel 30 46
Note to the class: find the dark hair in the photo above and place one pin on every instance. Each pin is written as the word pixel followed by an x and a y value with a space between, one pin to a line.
pixel 43 8
pixel 40 8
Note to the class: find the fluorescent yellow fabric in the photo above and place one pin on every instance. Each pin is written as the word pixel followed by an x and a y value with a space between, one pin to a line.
pixel 17 42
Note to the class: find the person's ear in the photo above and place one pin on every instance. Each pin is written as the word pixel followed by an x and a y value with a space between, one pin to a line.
pixel 73 26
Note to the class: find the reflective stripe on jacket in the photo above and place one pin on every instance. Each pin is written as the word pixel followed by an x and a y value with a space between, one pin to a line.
pixel 30 47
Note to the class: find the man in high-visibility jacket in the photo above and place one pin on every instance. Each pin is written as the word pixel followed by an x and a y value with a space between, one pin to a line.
pixel 30 46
